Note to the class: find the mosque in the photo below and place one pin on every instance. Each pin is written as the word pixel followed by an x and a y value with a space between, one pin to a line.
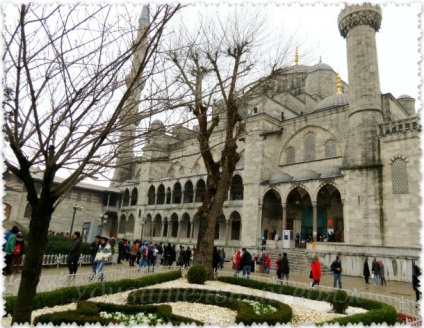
pixel 320 157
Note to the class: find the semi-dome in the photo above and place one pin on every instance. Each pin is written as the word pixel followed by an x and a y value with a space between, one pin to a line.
pixel 306 174
pixel 405 97
pixel 330 172
pixel 280 178
pixel 157 125
pixel 332 101
pixel 321 66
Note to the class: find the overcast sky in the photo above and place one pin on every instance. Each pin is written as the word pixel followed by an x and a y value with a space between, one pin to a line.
pixel 315 25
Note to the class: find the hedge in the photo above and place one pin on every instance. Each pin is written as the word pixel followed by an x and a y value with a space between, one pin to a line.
pixel 229 300
pixel 378 312
pixel 72 294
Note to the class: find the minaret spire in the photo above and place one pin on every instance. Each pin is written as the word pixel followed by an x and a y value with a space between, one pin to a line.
pixel 296 58
pixel 129 117
pixel 339 84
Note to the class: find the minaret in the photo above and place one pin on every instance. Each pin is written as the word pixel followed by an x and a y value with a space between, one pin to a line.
pixel 129 118
pixel 358 24
pixel 361 166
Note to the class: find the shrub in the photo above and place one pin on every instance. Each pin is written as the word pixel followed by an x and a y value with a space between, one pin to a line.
pixel 87 307
pixel 77 293
pixel 197 274
pixel 339 300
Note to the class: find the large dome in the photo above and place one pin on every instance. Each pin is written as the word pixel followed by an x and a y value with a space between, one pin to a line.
pixel 321 66
pixel 405 97
pixel 332 101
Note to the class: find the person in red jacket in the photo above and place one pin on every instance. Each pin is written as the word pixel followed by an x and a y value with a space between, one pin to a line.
pixel 236 261
pixel 267 263
pixel 316 271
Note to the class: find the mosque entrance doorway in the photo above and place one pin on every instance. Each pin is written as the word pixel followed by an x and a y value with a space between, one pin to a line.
pixel 329 199
pixel 299 211
pixel 272 214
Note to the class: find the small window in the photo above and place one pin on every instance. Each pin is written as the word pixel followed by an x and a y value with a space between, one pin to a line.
pixel 330 149
pixel 399 177
pixel 309 144
pixel 290 155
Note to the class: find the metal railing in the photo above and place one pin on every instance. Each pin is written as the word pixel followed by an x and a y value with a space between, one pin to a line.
pixel 60 259
pixel 49 283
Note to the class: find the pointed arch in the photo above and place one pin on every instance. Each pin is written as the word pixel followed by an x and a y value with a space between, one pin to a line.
pixel 236 189
pixel 151 195
pixel 134 196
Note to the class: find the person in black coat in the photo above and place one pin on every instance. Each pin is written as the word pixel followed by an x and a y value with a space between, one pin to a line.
pixel 284 268
pixel 366 272
pixel 416 272
pixel 216 258
pixel 74 253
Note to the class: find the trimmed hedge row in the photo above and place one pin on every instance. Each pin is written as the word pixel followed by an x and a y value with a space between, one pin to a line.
pixel 75 293
pixel 233 301
pixel 89 312
pixel 378 312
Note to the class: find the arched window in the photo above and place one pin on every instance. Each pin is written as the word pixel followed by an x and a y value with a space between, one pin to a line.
pixel 168 196
pixel 122 224
pixel 28 211
pixel 188 192
pixel 330 149
pixel 235 226
pixel 399 177
pixel 236 191
pixel 126 200
pixel 309 146
pixel 177 194
pixel 161 194
pixel 130 224
pixel 200 191
pixel 134 196
pixel 151 196
pixel 290 155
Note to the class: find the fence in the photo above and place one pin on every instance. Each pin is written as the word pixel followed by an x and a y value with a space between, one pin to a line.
pixel 60 259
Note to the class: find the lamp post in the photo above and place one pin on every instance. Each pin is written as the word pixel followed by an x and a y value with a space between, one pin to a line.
pixel 103 221
pixel 76 208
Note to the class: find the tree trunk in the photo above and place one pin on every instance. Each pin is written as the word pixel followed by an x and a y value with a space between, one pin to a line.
pixel 31 271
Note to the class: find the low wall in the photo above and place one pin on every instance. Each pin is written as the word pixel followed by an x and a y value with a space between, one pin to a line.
pixel 397 262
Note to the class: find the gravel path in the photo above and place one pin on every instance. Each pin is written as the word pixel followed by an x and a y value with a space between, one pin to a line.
pixel 304 311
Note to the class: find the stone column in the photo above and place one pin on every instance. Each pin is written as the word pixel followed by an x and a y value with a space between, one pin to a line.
pixel 314 221
pixel 163 227
pixel 194 195
pixel 191 229
pixel 284 208
pixel 179 229
pixel 228 222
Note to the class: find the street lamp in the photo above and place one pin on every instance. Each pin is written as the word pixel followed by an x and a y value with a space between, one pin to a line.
pixel 76 208
pixel 103 221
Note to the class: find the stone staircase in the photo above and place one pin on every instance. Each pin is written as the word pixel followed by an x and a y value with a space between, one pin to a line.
pixel 299 260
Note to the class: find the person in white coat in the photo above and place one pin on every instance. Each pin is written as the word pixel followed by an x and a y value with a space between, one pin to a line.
pixel 104 252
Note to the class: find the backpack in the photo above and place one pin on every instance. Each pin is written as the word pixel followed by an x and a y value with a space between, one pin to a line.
pixel 17 250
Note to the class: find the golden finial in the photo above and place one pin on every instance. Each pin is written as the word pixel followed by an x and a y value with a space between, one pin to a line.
pixel 339 84
pixel 320 59
pixel 296 58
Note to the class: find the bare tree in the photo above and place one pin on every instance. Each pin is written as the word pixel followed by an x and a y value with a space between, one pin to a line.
pixel 68 103
pixel 222 68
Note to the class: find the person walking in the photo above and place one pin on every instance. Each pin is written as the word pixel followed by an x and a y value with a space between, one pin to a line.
pixel 222 255
pixel 267 263
pixel 382 274
pixel 263 244
pixel 74 253
pixel 104 252
pixel 216 258
pixel 316 271
pixel 297 240
pixel 277 267
pixel 133 252
pixel 94 248
pixel 366 272
pixel 285 268
pixel 336 267
pixel 276 240
pixel 246 263
pixel 236 261
pixel 8 250
pixel 375 269
pixel 416 272
pixel 17 253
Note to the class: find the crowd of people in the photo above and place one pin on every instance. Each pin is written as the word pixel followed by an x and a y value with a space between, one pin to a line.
pixel 13 248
